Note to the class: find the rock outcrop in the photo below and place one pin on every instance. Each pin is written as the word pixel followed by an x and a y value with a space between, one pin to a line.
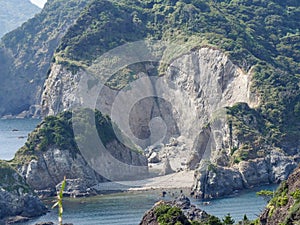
pixel 17 201
pixel 284 207
pixel 44 166
pixel 184 212
pixel 186 99
pixel 213 180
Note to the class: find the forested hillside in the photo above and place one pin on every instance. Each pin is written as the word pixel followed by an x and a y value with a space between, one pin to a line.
pixel 259 35
pixel 15 12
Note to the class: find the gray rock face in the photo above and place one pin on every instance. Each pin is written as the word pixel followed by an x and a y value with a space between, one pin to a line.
pixel 191 97
pixel 167 169
pixel 16 198
pixel 195 87
pixel 215 181
pixel 51 166
pixel 36 51
pixel 45 173
pixel 25 205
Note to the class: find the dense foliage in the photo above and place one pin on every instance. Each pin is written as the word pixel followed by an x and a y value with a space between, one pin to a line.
pixel 171 215
pixel 26 53
pixel 284 207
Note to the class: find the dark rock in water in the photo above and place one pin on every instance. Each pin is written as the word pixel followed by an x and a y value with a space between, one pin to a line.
pixel 45 223
pixel 76 188
pixel 190 212
pixel 182 202
pixel 149 218
pixel 196 214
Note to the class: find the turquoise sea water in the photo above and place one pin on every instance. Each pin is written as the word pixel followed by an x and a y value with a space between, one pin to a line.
pixel 124 208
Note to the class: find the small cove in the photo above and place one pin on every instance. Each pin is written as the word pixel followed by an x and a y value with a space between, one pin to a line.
pixel 122 208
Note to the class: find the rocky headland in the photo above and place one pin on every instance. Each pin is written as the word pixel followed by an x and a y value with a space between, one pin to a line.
pixel 51 153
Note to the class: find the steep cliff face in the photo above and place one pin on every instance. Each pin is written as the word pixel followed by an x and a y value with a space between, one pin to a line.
pixel 196 86
pixel 207 127
pixel 16 197
pixel 51 153
pixel 26 55
pixel 284 207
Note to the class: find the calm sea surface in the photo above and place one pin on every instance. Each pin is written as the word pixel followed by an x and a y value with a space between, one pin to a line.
pixel 13 135
pixel 124 208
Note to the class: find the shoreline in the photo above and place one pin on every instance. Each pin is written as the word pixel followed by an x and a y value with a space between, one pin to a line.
pixel 179 180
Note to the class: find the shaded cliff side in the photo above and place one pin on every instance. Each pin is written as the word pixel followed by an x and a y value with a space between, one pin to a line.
pixel 17 200
pixel 284 207
pixel 26 53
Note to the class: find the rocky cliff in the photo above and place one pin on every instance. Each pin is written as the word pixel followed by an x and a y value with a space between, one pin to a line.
pixel 284 207
pixel 185 98
pixel 213 180
pixel 208 128
pixel 17 201
pixel 222 98
pixel 51 153
pixel 26 55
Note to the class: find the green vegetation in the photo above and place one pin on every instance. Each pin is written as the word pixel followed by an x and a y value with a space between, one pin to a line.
pixel 57 131
pixel 171 215
pixel 260 36
pixel 168 215
pixel 284 207
pixel 59 202
pixel 228 220
pixel 10 180
pixel 26 53
pixel 280 198
pixel 266 194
